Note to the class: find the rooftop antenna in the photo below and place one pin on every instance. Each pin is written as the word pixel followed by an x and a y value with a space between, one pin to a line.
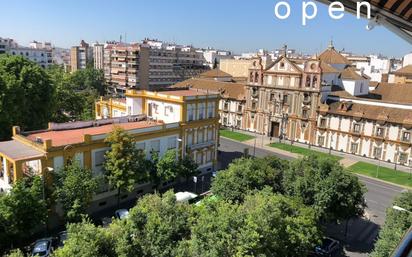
pixel 120 38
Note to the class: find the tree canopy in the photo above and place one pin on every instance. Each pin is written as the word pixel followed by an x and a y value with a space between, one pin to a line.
pixel 26 95
pixel 244 175
pixel 396 225
pixel 22 211
pixel 336 195
pixel 74 189
pixel 124 163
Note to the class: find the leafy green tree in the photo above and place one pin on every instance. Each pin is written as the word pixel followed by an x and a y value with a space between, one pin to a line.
pixel 187 167
pixel 16 253
pixel 22 211
pixel 245 175
pixel 322 183
pixel 396 225
pixel 124 163
pixel 164 168
pixel 26 95
pixel 85 239
pixel 265 224
pixel 76 93
pixel 89 78
pixel 74 189
pixel 154 228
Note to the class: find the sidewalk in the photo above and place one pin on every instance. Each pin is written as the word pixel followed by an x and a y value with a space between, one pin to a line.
pixel 348 160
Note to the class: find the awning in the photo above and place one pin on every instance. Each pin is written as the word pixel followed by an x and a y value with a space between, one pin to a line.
pixel 396 15
pixel 16 150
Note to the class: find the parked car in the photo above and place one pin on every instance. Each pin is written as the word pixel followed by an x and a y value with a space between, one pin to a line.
pixel 61 237
pixel 329 247
pixel 121 214
pixel 43 247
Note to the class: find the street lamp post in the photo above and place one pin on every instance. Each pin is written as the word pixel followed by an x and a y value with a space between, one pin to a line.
pixel 377 168
pixel 254 148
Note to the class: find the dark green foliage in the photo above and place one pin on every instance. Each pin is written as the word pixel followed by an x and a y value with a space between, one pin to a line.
pixel 26 95
pixel 85 239
pixel 22 211
pixel 74 189
pixel 264 225
pixel 322 183
pixel 245 175
pixel 396 225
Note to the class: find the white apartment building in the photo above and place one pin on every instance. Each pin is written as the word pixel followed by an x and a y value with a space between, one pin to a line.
pixel 213 56
pixel 40 53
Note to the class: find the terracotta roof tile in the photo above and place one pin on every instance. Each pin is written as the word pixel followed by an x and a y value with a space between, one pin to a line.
pixel 407 70
pixel 351 74
pixel 226 89
pixel 378 113
pixel 215 73
pixel 331 56
pixel 75 136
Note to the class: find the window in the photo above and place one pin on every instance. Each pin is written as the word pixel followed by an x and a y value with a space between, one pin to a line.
pixel 141 146
pixel 406 137
pixel 190 112
pixel 322 123
pixel 380 132
pixel 256 77
pixel 282 65
pixel 171 143
pixel 238 123
pixel 208 156
pixel 99 158
pixel 224 121
pixel 354 148
pixel 155 146
pixel 168 110
pixel 285 99
pixel 226 106
pixel 253 105
pixel 210 134
pixel 239 108
pixel 211 110
pixel 321 140
pixel 377 152
pixel 189 139
pixel 200 136
pixel 272 97
pixel 403 158
pixel 305 114
pixel 356 128
pixel 307 81
pixel 201 111
pixel 199 157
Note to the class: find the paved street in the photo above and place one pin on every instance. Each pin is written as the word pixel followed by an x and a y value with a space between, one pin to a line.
pixel 361 233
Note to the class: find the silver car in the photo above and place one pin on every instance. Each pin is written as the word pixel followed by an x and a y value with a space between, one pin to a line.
pixel 43 247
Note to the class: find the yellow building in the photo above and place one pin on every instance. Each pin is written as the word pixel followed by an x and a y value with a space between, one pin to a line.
pixel 185 120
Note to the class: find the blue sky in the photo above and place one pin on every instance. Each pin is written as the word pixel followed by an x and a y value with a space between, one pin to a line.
pixel 238 25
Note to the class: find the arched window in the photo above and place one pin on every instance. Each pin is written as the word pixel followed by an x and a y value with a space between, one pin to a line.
pixel 251 77
pixel 256 77
pixel 314 81
pixel 307 81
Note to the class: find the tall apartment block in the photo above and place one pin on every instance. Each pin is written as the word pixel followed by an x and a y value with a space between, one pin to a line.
pixel 80 56
pixel 150 64
pixel 98 56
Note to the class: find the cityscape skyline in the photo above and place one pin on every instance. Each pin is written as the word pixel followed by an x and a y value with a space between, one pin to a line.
pixel 217 25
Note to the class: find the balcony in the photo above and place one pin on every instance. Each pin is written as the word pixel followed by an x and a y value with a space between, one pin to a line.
pixel 201 145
